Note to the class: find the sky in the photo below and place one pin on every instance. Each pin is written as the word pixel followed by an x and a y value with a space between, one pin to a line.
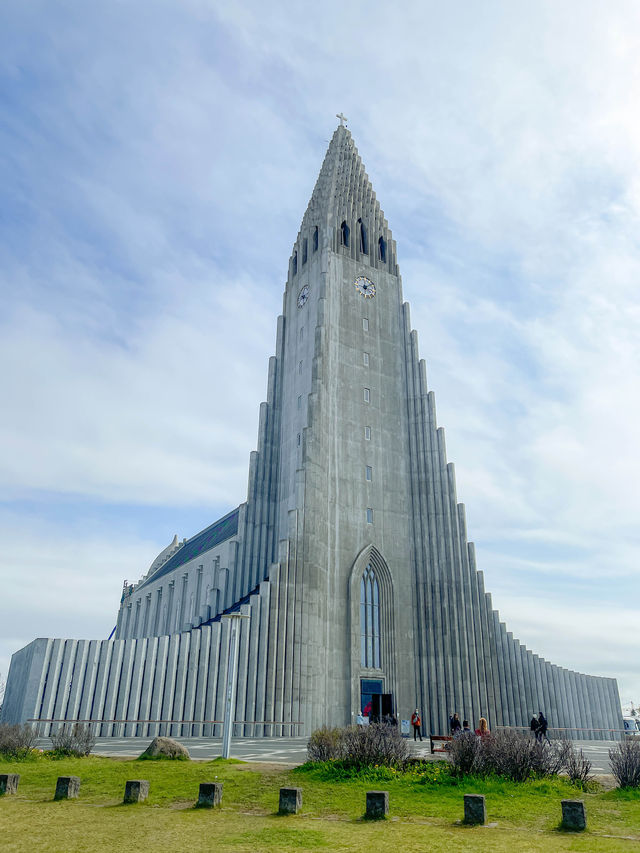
pixel 156 159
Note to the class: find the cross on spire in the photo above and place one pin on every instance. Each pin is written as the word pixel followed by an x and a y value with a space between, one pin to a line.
pixel 342 118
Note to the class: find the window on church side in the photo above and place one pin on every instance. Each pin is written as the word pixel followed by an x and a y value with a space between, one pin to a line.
pixel 299 401
pixel 369 620
pixel 298 440
pixel 344 234
pixel 365 359
pixel 362 234
pixel 368 472
pixel 304 251
pixel 294 264
pixel 367 395
pixel 365 324
pixel 367 433
pixel 315 239
pixel 300 368
pixel 369 515
pixel 301 332
pixel 382 250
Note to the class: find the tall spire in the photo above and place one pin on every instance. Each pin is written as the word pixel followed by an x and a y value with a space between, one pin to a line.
pixel 343 190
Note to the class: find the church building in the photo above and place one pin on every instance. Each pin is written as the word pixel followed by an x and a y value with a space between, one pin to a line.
pixel 349 558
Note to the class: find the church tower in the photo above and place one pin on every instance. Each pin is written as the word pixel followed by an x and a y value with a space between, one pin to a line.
pixel 349 557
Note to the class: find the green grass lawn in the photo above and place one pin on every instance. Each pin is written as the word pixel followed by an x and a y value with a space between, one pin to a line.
pixel 424 810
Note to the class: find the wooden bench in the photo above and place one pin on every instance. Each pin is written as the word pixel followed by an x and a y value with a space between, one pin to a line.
pixel 443 739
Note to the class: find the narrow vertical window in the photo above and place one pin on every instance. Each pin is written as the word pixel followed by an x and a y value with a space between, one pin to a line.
pixel 365 324
pixel 301 332
pixel 369 515
pixel 315 239
pixel 365 359
pixel 299 401
pixel 298 440
pixel 367 395
pixel 369 620
pixel 304 251
pixel 300 368
pixel 294 265
pixel 344 234
pixel 368 472
pixel 367 433
pixel 362 236
pixel 382 250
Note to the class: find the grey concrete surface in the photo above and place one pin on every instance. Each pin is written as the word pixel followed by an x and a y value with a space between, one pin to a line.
pixel 293 750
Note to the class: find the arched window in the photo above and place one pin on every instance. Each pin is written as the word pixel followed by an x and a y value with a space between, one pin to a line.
pixel 382 250
pixel 315 239
pixel 364 243
pixel 344 234
pixel 295 263
pixel 369 620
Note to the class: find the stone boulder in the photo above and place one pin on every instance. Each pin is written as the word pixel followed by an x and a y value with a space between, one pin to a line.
pixel 166 747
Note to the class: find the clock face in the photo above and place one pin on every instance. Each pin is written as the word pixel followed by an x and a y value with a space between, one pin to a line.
pixel 365 286
pixel 303 295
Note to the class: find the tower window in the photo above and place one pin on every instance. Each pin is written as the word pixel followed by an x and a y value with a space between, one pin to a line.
pixel 369 620
pixel 344 234
pixel 294 264
pixel 299 401
pixel 382 250
pixel 364 243
pixel 367 433
pixel 365 359
pixel 368 472
pixel 300 368
pixel 301 332
pixel 369 515
pixel 298 440
pixel 367 395
pixel 315 239
pixel 365 324
pixel 304 251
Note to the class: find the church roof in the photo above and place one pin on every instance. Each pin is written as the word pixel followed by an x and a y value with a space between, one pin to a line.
pixel 343 190
pixel 218 532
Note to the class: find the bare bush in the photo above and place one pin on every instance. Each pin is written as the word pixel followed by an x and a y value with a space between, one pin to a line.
pixel 465 754
pixel 625 763
pixel 16 742
pixel 377 743
pixel 578 767
pixel 325 744
pixel 74 740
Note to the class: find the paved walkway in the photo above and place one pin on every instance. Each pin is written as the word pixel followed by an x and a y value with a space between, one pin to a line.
pixel 293 750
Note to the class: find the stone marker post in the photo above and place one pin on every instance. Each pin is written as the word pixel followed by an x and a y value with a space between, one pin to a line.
pixel 290 800
pixel 210 795
pixel 9 783
pixel 136 791
pixel 377 804
pixel 574 815
pixel 474 809
pixel 67 787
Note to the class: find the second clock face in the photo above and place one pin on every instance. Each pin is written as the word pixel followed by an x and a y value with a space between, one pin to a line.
pixel 303 295
pixel 365 286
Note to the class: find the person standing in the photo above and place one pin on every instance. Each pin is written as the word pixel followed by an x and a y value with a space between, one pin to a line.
pixel 416 722
pixel 543 725
pixel 483 727
pixel 454 725
pixel 534 727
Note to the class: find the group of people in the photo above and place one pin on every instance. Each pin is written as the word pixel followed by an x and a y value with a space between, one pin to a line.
pixel 539 726
pixel 458 728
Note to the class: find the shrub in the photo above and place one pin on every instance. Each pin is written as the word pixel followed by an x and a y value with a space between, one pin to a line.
pixel 625 763
pixel 16 742
pixel 377 743
pixel 578 767
pixel 465 754
pixel 78 740
pixel 325 744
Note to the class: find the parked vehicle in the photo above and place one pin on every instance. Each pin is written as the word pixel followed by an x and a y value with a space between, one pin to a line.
pixel 631 726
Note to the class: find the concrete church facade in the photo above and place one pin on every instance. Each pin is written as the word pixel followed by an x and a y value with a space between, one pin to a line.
pixel 349 557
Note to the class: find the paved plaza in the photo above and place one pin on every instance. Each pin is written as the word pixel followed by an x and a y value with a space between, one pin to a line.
pixel 293 750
